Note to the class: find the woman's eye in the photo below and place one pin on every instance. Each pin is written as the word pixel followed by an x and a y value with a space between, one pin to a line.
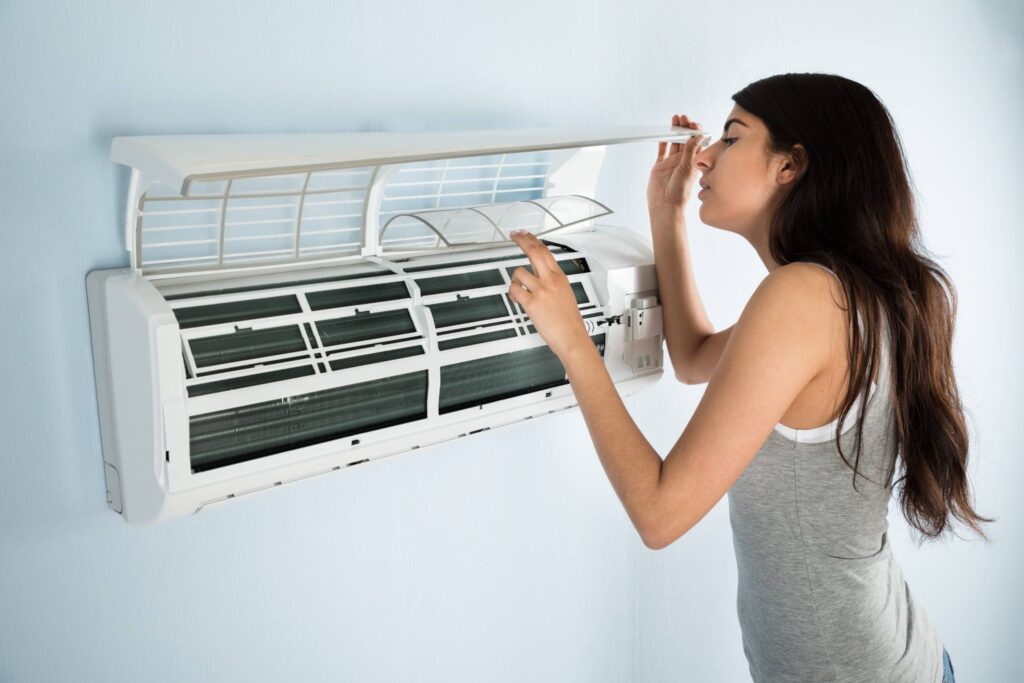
pixel 728 141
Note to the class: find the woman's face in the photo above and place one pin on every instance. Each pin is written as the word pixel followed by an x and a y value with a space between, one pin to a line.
pixel 742 180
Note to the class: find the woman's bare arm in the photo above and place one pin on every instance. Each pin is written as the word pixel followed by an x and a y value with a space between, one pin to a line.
pixel 693 345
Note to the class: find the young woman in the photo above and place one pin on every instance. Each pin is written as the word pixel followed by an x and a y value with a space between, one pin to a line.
pixel 837 374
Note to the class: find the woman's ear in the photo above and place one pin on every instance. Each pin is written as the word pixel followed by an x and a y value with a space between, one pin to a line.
pixel 794 164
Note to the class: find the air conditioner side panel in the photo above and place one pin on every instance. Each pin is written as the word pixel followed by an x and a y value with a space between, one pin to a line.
pixel 95 283
pixel 133 313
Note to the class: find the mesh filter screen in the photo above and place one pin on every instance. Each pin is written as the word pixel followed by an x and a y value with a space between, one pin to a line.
pixel 475 382
pixel 240 434
pixel 353 296
pixel 355 361
pixel 362 326
pixel 459 282
pixel 246 345
pixel 275 285
pixel 468 310
pixel 446 344
pixel 249 380
pixel 216 314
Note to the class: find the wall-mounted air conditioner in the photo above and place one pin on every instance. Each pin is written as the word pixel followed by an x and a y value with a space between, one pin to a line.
pixel 298 304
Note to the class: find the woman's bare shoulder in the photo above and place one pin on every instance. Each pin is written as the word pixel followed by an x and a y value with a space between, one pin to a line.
pixel 802 287
pixel 799 298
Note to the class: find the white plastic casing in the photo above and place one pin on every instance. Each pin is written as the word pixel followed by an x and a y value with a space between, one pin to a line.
pixel 144 368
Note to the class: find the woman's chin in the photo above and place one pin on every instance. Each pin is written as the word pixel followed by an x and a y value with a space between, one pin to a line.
pixel 708 218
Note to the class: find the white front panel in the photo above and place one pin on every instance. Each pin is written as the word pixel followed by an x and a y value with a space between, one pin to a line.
pixel 261 383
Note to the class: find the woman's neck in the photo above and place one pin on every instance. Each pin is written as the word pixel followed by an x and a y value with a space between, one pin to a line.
pixel 759 240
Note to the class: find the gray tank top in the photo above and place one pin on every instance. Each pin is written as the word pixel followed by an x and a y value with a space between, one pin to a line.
pixel 820 596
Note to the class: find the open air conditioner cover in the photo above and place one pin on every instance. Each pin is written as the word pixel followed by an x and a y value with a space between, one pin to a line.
pixel 299 304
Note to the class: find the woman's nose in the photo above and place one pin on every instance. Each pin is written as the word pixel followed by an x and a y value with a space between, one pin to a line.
pixel 703 158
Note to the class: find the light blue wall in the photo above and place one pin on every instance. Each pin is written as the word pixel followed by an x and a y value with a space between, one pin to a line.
pixel 504 557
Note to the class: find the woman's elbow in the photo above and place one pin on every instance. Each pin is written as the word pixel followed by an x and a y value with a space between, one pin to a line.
pixel 653 544
pixel 659 538
pixel 689 377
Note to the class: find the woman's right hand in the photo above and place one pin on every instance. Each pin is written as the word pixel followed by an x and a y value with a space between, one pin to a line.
pixel 673 174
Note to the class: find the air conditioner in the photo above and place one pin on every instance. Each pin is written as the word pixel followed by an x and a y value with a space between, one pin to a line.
pixel 299 304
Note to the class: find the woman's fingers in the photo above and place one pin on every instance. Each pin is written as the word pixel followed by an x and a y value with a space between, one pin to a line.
pixel 666 150
pixel 541 258
pixel 523 278
pixel 520 296
pixel 686 160
pixel 547 256
pixel 544 256
pixel 683 121
pixel 677 120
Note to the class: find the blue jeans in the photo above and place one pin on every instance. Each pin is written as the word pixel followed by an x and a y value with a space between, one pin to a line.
pixel 947 671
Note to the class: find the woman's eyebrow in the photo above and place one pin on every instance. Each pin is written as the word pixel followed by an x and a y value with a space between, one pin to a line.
pixel 726 126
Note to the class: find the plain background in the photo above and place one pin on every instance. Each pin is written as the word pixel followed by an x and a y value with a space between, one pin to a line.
pixel 506 556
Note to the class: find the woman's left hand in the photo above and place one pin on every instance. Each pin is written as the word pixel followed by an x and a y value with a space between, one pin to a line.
pixel 547 298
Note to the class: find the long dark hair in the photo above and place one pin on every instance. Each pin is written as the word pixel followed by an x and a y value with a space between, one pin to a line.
pixel 852 210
